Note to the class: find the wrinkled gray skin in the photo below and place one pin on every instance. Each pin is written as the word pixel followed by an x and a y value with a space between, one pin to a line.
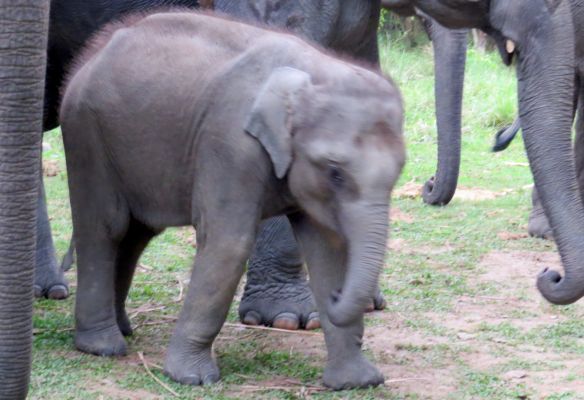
pixel 550 54
pixel 23 40
pixel 283 127
pixel 538 224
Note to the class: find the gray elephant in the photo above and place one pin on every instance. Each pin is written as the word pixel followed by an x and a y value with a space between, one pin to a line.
pixel 276 293
pixel 23 56
pixel 285 128
pixel 546 39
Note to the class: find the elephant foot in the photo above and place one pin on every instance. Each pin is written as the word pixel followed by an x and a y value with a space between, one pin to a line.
pixel 49 280
pixel 351 374
pixel 190 367
pixel 538 225
pixel 55 292
pixel 101 342
pixel 377 303
pixel 284 305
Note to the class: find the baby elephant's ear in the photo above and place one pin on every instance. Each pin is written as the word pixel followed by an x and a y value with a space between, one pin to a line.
pixel 270 119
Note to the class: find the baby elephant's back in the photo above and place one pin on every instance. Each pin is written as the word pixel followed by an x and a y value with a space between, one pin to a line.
pixel 166 54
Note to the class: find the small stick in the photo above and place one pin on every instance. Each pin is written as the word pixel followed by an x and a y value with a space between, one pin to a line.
pixel 145 267
pixel 139 311
pixel 164 385
pixel 40 331
pixel 242 326
pixel 265 328
pixel 251 388
pixel 181 289
pixel 406 380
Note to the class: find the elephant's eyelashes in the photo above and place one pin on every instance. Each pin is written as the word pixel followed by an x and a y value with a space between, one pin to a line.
pixel 336 176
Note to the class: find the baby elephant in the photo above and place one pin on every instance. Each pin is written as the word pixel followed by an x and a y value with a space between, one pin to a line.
pixel 179 118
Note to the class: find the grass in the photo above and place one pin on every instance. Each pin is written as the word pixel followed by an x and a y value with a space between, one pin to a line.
pixel 452 329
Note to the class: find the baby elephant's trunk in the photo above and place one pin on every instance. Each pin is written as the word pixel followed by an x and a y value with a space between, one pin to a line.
pixel 366 228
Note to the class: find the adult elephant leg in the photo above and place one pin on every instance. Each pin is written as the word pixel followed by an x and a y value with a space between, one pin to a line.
pixel 538 225
pixel 449 64
pixel 69 257
pixel 277 292
pixel 49 280
pixel 23 38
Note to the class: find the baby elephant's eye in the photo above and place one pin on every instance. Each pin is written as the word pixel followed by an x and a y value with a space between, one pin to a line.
pixel 336 176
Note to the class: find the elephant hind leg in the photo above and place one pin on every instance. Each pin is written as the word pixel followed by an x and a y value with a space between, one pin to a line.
pixel 97 330
pixel 129 252
pixel 101 219
pixel 99 231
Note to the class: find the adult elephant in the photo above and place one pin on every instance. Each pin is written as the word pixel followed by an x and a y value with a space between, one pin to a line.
pixel 276 293
pixel 23 38
pixel 547 38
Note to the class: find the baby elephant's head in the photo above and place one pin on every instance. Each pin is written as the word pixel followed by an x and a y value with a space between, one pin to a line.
pixel 339 143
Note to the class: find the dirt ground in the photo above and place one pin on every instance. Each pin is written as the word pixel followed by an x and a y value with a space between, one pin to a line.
pixel 407 356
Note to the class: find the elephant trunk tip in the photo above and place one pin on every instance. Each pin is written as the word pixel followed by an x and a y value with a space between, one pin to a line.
pixel 557 289
pixel 342 313
pixel 437 194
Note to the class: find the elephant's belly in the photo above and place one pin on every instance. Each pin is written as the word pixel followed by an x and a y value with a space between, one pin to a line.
pixel 158 192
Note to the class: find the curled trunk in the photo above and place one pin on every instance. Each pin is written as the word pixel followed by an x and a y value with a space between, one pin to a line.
pixel 366 229
pixel 546 84
pixel 23 35
pixel 449 64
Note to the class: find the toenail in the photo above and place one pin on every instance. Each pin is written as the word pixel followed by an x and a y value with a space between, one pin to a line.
pixel 252 318
pixel 286 321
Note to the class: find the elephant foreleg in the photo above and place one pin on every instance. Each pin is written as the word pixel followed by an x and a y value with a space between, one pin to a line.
pixel 346 366
pixel 219 265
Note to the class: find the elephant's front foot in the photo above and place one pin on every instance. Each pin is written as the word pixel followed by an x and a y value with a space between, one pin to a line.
pixel 58 291
pixel 351 373
pixel 539 225
pixel 284 305
pixel 50 282
pixel 377 303
pixel 101 342
pixel 191 365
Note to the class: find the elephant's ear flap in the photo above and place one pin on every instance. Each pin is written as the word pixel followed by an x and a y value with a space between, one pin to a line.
pixel 271 117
